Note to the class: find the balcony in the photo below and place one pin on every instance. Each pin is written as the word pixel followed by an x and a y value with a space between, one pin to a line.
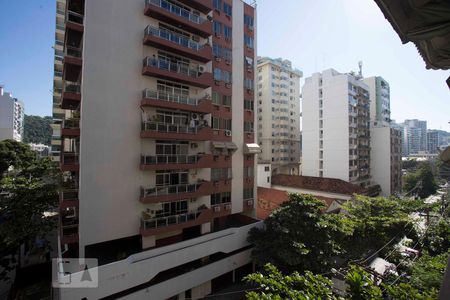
pixel 176 101
pixel 74 21
pixel 173 162
pixel 180 17
pixel 179 72
pixel 176 192
pixel 71 128
pixel 154 226
pixel 175 132
pixel 170 41
pixel 71 95
pixel 68 197
pixel 70 161
pixel 72 63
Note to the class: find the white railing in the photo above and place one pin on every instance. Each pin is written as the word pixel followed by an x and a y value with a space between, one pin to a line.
pixel 177 10
pixel 170 189
pixel 170 97
pixel 169 220
pixel 167 127
pixel 173 37
pixel 169 159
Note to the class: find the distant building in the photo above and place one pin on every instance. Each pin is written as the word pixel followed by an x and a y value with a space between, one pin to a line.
pixel 278 96
pixel 12 112
pixel 416 136
pixel 42 149
pixel 433 141
pixel 335 127
pixel 264 174
pixel 380 107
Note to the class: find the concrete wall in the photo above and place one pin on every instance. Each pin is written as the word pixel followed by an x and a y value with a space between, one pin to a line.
pixel 6 116
pixel 380 162
pixel 264 177
pixel 312 192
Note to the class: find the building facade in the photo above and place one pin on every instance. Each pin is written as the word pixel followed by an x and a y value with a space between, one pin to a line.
pixel 278 98
pixel 380 103
pixel 415 136
pixel 433 141
pixel 12 112
pixel 335 127
pixel 158 143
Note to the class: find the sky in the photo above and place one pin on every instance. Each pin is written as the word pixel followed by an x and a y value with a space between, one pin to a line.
pixel 314 34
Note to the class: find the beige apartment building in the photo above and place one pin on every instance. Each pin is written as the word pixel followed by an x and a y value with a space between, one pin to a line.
pixel 154 127
pixel 278 96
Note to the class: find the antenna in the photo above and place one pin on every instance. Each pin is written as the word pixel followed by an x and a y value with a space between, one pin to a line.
pixel 360 65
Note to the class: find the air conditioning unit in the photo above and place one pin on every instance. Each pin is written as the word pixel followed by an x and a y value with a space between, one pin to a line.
pixel 201 69
pixel 250 202
pixel 216 208
pixel 194 116
pixel 217 58
pixel 227 132
pixel 227 206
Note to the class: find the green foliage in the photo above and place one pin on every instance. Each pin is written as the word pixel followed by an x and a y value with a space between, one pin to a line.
pixel 375 221
pixel 422 181
pixel 298 237
pixel 274 285
pixel 361 286
pixel 437 240
pixel 28 189
pixel 37 130
pixel 428 272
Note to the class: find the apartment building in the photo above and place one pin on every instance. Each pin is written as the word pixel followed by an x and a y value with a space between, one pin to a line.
pixel 158 144
pixel 335 127
pixel 278 102
pixel 12 112
pixel 386 141
pixel 433 141
pixel 415 136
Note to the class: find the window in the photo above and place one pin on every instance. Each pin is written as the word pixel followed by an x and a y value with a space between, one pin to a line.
pixel 217 4
pixel 217 74
pixel 226 100
pixel 248 172
pixel 226 197
pixel 268 177
pixel 217 28
pixel 215 123
pixel 248 127
pixel 220 173
pixel 216 98
pixel 227 9
pixel 226 76
pixel 248 84
pixel 267 169
pixel 248 21
pixel 248 62
pixel 227 32
pixel 248 41
pixel 219 198
pixel 248 193
pixel 226 124
pixel 248 104
pixel 215 199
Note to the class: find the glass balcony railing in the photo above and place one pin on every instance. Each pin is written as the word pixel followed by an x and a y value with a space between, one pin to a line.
pixel 173 37
pixel 167 127
pixel 177 10
pixel 170 189
pixel 170 159
pixel 153 223
pixel 176 67
pixel 170 97
pixel 72 51
pixel 75 17
pixel 72 87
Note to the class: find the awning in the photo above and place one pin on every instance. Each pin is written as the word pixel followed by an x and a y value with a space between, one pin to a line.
pixel 231 146
pixel 252 149
pixel 217 145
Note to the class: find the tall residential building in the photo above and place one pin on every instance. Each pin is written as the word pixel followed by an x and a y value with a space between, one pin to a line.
pixel 433 141
pixel 415 136
pixel 385 140
pixel 335 127
pixel 11 117
pixel 380 104
pixel 157 144
pixel 278 90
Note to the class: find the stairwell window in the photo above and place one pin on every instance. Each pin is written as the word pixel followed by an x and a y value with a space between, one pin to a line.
pixel 217 28
pixel 248 41
pixel 227 32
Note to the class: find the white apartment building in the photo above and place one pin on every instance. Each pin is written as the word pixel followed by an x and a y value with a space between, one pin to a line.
pixel 159 159
pixel 12 112
pixel 335 127
pixel 386 141
pixel 278 102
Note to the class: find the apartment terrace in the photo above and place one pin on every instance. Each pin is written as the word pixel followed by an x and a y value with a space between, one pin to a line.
pixel 168 131
pixel 173 14
pixel 170 41
pixel 71 95
pixel 174 101
pixel 174 162
pixel 187 74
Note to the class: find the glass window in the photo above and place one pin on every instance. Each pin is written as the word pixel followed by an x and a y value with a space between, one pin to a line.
pixel 226 100
pixel 227 32
pixel 215 123
pixel 227 9
pixel 216 98
pixel 248 41
pixel 217 28
pixel 217 74
pixel 217 4
pixel 248 21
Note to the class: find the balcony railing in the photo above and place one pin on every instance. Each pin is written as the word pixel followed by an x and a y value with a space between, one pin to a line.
pixel 75 17
pixel 170 159
pixel 72 51
pixel 170 189
pixel 177 10
pixel 72 87
pixel 173 37
pixel 71 123
pixel 180 68
pixel 178 98
pixel 169 128
pixel 170 220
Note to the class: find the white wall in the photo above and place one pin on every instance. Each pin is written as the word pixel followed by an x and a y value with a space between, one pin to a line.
pixel 6 116
pixel 380 162
pixel 264 177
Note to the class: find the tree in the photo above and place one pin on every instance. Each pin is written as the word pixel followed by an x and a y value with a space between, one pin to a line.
pixel 422 182
pixel 437 240
pixel 29 187
pixel 361 285
pixel 375 222
pixel 298 237
pixel 37 129
pixel 428 272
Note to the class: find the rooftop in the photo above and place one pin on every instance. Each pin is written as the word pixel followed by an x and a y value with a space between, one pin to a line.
pixel 330 185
